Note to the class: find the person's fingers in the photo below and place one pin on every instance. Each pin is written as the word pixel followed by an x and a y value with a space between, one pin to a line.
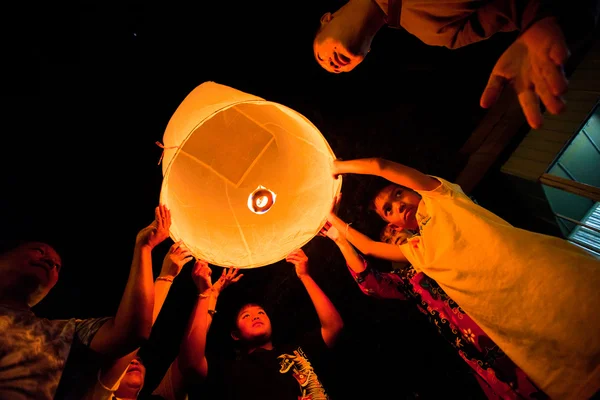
pixel 554 77
pixel 559 52
pixel 185 253
pixel 492 90
pixel 167 215
pixel 531 107
pixel 553 103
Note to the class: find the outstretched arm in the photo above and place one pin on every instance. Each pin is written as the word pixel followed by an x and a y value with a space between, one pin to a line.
pixel 191 361
pixel 133 320
pixel 173 262
pixel 365 244
pixel 370 282
pixel 353 260
pixel 331 321
pixel 392 171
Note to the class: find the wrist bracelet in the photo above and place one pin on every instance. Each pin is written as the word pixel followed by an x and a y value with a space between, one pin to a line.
pixel 204 295
pixel 164 278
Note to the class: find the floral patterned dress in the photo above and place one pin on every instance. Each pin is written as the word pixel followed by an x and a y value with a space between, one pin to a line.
pixel 498 376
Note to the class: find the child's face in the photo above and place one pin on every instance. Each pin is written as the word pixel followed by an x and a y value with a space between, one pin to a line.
pixel 252 324
pixel 398 206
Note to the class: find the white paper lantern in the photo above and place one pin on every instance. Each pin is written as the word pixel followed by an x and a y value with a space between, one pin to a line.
pixel 247 180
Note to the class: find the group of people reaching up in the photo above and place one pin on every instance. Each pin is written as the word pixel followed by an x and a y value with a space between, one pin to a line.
pixel 98 358
pixel 528 296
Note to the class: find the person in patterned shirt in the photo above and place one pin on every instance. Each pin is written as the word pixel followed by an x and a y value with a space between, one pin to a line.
pixel 47 359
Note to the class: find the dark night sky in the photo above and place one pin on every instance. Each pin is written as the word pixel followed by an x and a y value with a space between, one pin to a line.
pixel 92 88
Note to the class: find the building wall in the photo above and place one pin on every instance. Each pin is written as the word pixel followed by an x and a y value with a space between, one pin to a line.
pixel 539 148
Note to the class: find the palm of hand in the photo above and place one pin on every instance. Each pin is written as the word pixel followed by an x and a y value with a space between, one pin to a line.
pixel 176 258
pixel 157 235
pixel 533 65
pixel 158 230
pixel 228 276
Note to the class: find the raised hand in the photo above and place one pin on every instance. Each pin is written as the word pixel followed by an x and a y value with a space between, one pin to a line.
pixel 201 276
pixel 336 205
pixel 336 168
pixel 176 258
pixel 300 261
pixel 533 64
pixel 228 276
pixel 158 230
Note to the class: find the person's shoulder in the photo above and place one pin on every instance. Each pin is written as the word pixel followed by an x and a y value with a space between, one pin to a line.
pixel 445 188
pixel 87 328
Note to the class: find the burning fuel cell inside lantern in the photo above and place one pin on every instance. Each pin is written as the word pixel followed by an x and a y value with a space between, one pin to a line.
pixel 261 200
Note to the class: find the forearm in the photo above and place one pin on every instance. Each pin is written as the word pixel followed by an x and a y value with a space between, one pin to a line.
pixel 378 284
pixel 329 317
pixel 361 166
pixel 362 242
pixel 161 290
pixel 353 260
pixel 192 353
pixel 135 309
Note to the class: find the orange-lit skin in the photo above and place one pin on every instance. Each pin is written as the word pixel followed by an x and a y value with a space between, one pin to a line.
pixel 253 326
pixel 334 57
pixel 393 209
pixel 132 381
pixel 177 256
pixel 398 206
pixel 29 272
pixel 533 64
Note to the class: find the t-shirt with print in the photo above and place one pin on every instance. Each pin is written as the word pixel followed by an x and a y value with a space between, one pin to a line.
pixel 288 371
pixel 34 353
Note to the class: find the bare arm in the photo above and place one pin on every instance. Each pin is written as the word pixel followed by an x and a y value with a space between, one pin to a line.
pixel 331 321
pixel 173 262
pixel 392 171
pixel 365 244
pixel 133 320
pixel 353 260
pixel 370 282
pixel 191 361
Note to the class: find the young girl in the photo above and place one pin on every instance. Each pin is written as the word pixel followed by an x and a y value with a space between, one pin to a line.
pixel 536 296
pixel 497 374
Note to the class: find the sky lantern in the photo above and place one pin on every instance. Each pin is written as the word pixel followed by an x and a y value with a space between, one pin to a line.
pixel 247 180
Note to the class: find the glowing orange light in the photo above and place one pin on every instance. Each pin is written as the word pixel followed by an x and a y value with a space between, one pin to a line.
pixel 237 175
pixel 261 200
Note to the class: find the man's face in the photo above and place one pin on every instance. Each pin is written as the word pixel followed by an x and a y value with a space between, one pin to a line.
pixel 135 375
pixel 36 261
pixel 332 55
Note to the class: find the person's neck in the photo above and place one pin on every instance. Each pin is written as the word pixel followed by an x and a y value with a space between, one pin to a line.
pixel 366 14
pixel 266 346
pixel 127 393
pixel 14 297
